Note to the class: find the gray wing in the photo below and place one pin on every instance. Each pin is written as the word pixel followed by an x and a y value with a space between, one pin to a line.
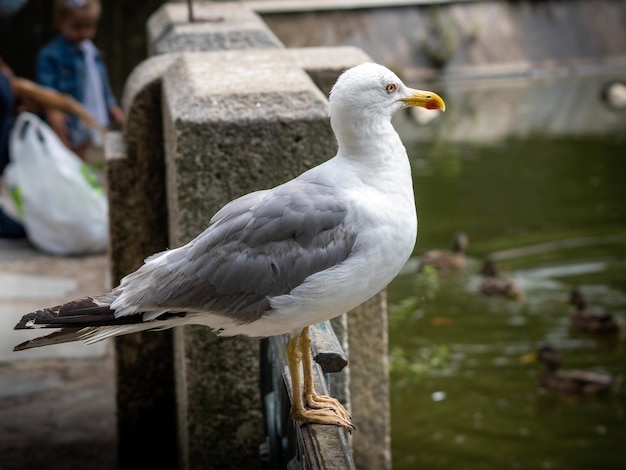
pixel 258 246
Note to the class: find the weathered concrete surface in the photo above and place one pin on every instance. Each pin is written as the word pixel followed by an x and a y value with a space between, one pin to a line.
pixel 324 64
pixel 136 174
pixel 469 38
pixel 70 423
pixel 31 281
pixel 257 116
pixel 57 404
pixel 234 122
pixel 369 383
pixel 233 26
pixel 138 221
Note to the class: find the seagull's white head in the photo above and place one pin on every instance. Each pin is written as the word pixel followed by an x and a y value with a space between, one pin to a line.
pixel 373 93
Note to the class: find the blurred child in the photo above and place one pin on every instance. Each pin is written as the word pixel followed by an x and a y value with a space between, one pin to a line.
pixel 71 64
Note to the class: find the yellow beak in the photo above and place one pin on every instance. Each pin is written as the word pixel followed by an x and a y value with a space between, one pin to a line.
pixel 425 99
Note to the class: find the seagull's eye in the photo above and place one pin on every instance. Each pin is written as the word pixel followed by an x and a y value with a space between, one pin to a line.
pixel 390 88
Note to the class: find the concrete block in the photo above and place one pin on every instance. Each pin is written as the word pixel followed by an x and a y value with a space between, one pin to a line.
pixel 236 122
pixel 138 224
pixel 136 176
pixel 368 344
pixel 325 64
pixel 233 26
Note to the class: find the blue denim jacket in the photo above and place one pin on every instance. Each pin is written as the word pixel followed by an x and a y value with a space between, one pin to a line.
pixel 61 66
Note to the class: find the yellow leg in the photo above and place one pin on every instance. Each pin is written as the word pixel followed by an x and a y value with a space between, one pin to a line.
pixel 294 357
pixel 323 409
pixel 311 398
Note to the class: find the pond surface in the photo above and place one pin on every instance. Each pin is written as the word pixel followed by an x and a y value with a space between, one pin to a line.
pixel 535 174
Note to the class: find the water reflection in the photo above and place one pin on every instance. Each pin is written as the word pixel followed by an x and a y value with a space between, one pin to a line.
pixel 533 172
pixel 488 112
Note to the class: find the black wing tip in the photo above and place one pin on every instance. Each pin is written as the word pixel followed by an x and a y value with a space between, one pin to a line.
pixel 21 346
pixel 74 312
pixel 26 322
pixel 64 335
pixel 29 344
pixel 36 319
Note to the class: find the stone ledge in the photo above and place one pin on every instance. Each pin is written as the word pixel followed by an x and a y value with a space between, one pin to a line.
pixel 238 27
pixel 256 123
pixel 325 64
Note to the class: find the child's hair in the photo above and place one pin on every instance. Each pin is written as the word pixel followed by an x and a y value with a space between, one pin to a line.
pixel 66 8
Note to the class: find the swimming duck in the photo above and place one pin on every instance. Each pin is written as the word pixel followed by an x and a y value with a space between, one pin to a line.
pixel 591 321
pixel 495 285
pixel 445 260
pixel 581 382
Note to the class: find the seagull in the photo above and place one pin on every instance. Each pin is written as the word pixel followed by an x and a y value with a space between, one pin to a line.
pixel 278 260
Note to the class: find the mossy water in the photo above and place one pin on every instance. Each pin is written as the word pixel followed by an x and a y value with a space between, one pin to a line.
pixel 550 208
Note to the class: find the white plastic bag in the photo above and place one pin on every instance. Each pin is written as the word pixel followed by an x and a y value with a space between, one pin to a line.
pixel 64 210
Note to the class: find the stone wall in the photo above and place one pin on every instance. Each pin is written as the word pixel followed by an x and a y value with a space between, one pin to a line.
pixel 468 38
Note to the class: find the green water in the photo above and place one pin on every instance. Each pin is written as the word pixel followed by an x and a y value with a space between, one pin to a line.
pixel 551 207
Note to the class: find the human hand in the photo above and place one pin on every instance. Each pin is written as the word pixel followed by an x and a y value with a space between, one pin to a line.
pixel 58 122
pixel 117 116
